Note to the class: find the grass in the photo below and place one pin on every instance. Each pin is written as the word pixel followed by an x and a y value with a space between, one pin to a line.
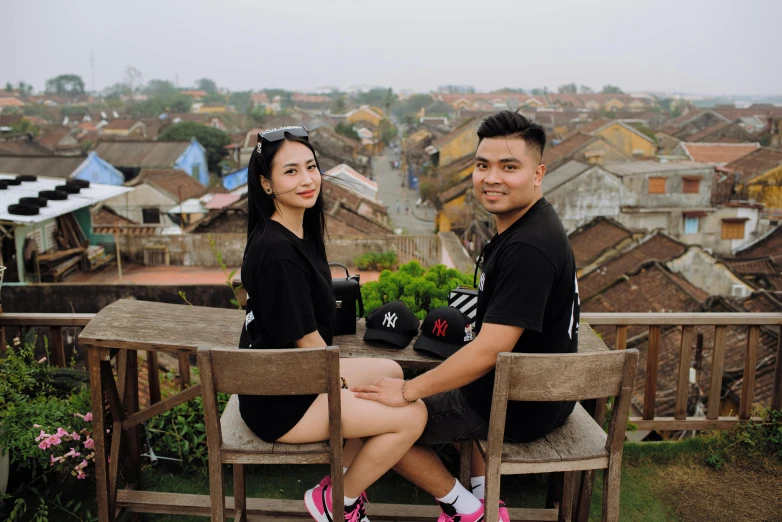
pixel 661 482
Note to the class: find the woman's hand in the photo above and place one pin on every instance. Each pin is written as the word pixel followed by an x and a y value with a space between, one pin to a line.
pixel 386 391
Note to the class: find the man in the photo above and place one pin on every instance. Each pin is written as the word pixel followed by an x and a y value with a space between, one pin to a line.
pixel 527 302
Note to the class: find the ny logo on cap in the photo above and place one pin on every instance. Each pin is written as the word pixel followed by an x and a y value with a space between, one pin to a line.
pixel 389 321
pixel 439 328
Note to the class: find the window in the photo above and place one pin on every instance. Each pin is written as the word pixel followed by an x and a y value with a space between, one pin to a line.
pixel 197 171
pixel 656 185
pixel 691 185
pixel 150 215
pixel 733 228
pixel 691 225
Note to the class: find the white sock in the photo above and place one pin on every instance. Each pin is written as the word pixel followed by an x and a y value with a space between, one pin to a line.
pixel 350 501
pixel 477 486
pixel 462 500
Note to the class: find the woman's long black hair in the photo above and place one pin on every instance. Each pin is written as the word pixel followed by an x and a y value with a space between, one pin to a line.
pixel 261 205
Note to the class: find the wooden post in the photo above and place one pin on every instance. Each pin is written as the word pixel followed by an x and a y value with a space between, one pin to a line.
pixel 621 338
pixel 99 434
pixel 748 383
pixel 58 349
pixel 652 362
pixel 153 372
pixel 184 369
pixel 683 382
pixel 117 252
pixel 717 368
pixel 776 393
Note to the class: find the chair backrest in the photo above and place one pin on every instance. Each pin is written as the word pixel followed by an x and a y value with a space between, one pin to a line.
pixel 300 371
pixel 563 377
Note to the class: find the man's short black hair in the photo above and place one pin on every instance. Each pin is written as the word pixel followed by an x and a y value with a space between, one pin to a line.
pixel 513 125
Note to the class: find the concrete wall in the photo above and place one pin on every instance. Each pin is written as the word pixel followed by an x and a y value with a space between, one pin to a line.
pixel 637 189
pixel 453 254
pixel 591 194
pixel 705 272
pixel 193 161
pixel 91 298
pixel 187 249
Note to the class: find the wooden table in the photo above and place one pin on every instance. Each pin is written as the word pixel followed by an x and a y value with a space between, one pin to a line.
pixel 127 326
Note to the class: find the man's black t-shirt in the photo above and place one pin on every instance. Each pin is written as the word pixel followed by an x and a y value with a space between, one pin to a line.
pixel 289 295
pixel 529 280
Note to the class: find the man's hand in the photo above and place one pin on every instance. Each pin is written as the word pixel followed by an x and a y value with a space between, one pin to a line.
pixel 386 391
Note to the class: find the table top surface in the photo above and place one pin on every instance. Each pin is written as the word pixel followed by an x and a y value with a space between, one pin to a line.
pixel 150 326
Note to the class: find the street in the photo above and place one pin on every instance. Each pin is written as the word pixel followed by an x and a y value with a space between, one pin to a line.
pixel 415 221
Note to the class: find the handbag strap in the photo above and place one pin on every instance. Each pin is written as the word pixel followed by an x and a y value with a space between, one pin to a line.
pixel 347 274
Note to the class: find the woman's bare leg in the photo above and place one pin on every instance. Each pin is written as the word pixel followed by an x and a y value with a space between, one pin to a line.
pixel 358 372
pixel 388 434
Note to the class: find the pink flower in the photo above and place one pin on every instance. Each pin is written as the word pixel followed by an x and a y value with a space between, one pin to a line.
pixel 75 436
pixel 42 360
pixel 36 425
pixel 62 433
pixel 88 417
pixel 79 415
pixel 44 444
pixel 81 475
pixel 54 440
pixel 72 453
pixel 54 460
pixel 43 435
pixel 89 443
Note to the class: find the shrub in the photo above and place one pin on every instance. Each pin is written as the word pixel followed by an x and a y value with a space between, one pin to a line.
pixel 420 289
pixel 756 441
pixel 46 429
pixel 377 261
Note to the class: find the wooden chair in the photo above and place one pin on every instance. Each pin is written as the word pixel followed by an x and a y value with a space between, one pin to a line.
pixel 266 372
pixel 580 444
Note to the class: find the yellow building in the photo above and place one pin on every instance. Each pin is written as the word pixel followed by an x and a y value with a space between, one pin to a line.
pixel 767 188
pixel 209 109
pixel 366 114
pixel 459 142
pixel 630 141
pixel 614 104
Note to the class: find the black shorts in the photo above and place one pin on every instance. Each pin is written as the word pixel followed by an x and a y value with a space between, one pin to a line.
pixel 452 419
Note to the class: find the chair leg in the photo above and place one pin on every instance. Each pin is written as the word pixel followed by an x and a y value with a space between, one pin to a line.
pixel 611 489
pixel 240 498
pixel 465 463
pixel 217 488
pixel 492 497
pixel 566 502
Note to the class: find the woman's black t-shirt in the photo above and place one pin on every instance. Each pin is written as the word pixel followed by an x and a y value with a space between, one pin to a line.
pixel 289 295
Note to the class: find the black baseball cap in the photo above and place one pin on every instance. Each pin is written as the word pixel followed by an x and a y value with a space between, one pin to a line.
pixel 393 323
pixel 444 332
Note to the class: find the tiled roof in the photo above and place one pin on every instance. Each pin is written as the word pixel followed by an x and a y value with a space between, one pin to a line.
pixel 51 166
pixel 658 246
pixel 763 301
pixel 717 153
pixel 120 124
pixel 593 126
pixel 711 129
pixel 52 138
pixel 107 217
pixel 557 154
pixel 456 166
pixel 471 123
pixel 752 266
pixel 455 191
pixel 754 163
pixel 140 154
pixel 176 183
pixel 22 146
pixel 596 237
pixel 769 245
pixel 221 200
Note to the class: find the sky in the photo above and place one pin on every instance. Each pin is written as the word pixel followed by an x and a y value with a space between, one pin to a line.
pixel 693 46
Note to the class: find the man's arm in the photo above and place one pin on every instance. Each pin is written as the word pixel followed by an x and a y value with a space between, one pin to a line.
pixel 468 364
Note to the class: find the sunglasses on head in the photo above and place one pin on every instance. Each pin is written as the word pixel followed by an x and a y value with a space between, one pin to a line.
pixel 279 133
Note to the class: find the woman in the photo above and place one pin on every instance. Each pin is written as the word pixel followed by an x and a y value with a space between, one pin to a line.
pixel 290 304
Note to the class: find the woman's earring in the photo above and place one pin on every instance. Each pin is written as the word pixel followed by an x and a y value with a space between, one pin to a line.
pixel 269 191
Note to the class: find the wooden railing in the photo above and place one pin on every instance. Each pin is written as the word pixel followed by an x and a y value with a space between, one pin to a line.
pixel 621 322
pixel 688 321
pixel 56 322
pixel 424 248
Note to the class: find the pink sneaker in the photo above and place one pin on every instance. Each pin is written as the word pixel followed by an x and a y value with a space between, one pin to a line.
pixel 326 481
pixel 318 503
pixel 504 515
pixel 449 514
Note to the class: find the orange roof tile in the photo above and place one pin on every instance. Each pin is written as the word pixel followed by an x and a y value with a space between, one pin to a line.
pixel 718 153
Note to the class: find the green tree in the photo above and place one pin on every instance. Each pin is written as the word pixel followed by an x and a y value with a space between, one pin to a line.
pixel 388 131
pixel 214 98
pixel 338 107
pixel 242 101
pixel 539 92
pixel 25 89
pixel 9 87
pixel 159 88
pixel 157 105
pixel 411 105
pixel 568 88
pixel 611 89
pixel 65 85
pixel 258 114
pixel 133 79
pixel 585 89
pixel 213 140
pixel 346 129
pixel 207 85
pixel 378 97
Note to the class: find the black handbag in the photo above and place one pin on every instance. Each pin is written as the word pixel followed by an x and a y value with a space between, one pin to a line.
pixel 347 291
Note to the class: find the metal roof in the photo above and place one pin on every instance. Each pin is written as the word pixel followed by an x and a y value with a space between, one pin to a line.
pixel 85 198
